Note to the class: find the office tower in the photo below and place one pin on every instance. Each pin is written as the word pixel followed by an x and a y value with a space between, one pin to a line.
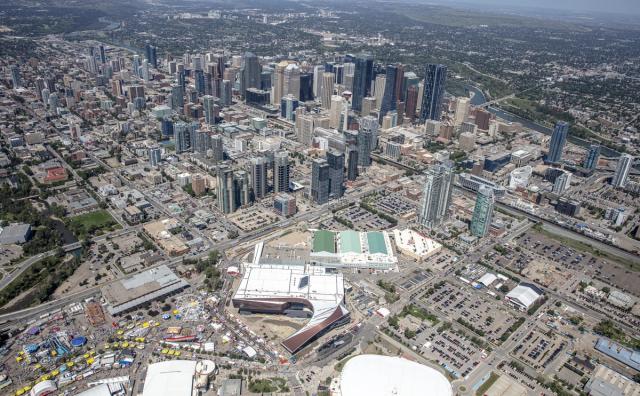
pixel 436 196
pixel 185 136
pixel 217 148
pixel 411 105
pixel 284 205
pixel 362 75
pixel 328 80
pixel 291 84
pixel 226 191
pixel 177 97
pixel 40 85
pixel 335 111
pixel 155 156
pixel 434 83
pixel 556 144
pixel 591 161
pixel 352 163
pixel 226 97
pixel 318 71
pixel 399 82
pixel 151 55
pixel 197 63
pixel 320 181
pixel 135 91
pixel 379 85
pixel 242 188
pixel 462 111
pixel 258 168
pixel 389 98
pixel 198 185
pixel 304 132
pixel 54 102
pixel 277 88
pixel 166 126
pixel 288 106
pixel 621 175
pixel 103 57
pixel 207 105
pixel 367 135
pixel 281 171
pixel 482 119
pixel 410 79
pixel 199 81
pixel 306 87
pixel 368 105
pixel 338 70
pixel 335 159
pixel 135 65
pixel 483 212
pixel 250 72
pixel 266 78
pixel 562 183
pixel 45 96
pixel 202 142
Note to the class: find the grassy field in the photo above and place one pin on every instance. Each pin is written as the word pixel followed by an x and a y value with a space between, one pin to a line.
pixel 93 223
pixel 487 384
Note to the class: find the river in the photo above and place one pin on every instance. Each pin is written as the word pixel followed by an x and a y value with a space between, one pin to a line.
pixel 478 99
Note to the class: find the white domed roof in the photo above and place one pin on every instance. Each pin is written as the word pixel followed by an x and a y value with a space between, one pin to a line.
pixel 376 375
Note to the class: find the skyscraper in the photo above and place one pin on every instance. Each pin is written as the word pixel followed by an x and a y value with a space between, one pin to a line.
pixel 226 191
pixel 288 106
pixel 258 169
pixel 562 183
pixel 591 161
pixel 389 98
pixel 281 171
pixel 436 197
pixel 352 163
pixel 318 71
pixel 462 110
pixel 177 97
pixel 483 212
pixel 202 142
pixel 434 83
pixel 241 188
pixel 155 156
pixel 335 159
pixel 250 72
pixel 556 145
pixel 185 135
pixel 320 181
pixel 291 84
pixel 412 102
pixel 306 87
pixel 151 55
pixel 15 76
pixel 366 142
pixel 217 148
pixel 621 175
pixel 362 75
pixel 335 111
pixel 328 80
pixel 226 97
pixel 207 104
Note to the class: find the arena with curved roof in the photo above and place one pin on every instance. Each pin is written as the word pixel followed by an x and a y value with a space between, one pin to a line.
pixel 377 375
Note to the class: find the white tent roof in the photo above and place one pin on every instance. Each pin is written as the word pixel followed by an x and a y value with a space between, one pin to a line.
pixel 170 378
pixel 524 295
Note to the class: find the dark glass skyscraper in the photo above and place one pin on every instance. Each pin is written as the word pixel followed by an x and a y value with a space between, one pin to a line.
pixel 250 73
pixel 320 181
pixel 389 99
pixel 306 87
pixel 361 80
pixel 434 82
pixel 558 139
pixel 591 161
pixel 335 159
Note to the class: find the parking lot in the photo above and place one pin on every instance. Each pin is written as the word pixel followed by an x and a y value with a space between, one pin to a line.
pixel 539 350
pixel 362 219
pixel 394 204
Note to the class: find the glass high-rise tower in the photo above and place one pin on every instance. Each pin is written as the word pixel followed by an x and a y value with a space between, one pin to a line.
pixel 434 82
pixel 436 197
pixel 483 212
pixel 558 139
pixel 362 76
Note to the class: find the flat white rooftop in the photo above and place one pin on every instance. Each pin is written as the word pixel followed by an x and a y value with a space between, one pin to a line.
pixel 170 378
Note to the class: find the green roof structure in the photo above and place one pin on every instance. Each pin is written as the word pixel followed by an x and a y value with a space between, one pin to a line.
pixel 376 243
pixel 350 242
pixel 324 241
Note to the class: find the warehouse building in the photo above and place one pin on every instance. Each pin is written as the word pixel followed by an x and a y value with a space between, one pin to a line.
pixel 353 249
pixel 141 288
